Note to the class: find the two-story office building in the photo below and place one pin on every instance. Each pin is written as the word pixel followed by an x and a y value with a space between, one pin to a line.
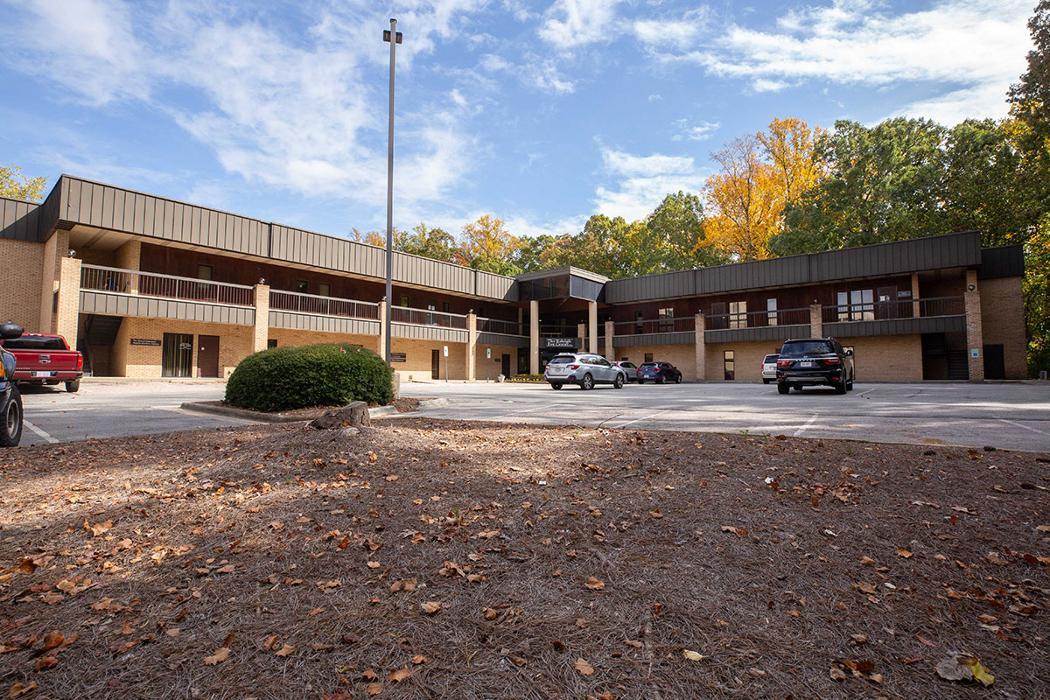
pixel 147 286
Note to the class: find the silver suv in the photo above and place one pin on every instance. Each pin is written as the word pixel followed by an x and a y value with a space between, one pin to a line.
pixel 584 370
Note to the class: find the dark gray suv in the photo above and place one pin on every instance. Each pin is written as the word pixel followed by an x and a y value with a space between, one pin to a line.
pixel 814 362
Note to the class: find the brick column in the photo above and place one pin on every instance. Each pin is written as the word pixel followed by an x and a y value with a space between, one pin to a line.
pixel 67 313
pixel 915 312
pixel 534 337
pixel 262 317
pixel 701 348
pixel 55 248
pixel 381 343
pixel 974 331
pixel 592 325
pixel 816 321
pixel 472 345
pixel 610 337
pixel 581 335
pixel 127 257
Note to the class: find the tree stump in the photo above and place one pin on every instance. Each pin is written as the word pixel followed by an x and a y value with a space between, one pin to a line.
pixel 352 415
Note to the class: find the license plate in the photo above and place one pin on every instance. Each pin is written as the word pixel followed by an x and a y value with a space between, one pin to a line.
pixel 805 364
pixel 41 374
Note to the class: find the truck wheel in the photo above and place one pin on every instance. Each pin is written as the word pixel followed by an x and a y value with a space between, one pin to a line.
pixel 11 420
pixel 840 388
pixel 73 386
pixel 783 388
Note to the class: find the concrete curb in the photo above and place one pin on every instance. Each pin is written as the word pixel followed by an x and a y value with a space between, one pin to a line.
pixel 218 408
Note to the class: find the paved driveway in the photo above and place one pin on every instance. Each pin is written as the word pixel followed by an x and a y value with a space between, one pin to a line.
pixel 1014 416
pixel 116 409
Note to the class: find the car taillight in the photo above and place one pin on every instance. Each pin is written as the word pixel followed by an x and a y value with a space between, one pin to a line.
pixel 573 367
pixel 831 361
pixel 783 363
pixel 80 362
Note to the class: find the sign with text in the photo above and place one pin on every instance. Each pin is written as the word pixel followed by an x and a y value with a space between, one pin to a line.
pixel 560 343
pixel 398 357
pixel 145 341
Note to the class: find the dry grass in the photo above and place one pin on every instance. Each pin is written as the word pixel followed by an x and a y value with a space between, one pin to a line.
pixel 284 546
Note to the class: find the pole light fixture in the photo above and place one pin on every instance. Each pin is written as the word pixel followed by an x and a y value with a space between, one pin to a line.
pixel 392 37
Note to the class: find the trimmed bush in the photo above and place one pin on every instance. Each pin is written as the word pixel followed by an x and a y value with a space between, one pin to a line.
pixel 280 379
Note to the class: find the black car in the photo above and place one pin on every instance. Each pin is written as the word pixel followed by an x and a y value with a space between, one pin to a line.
pixel 10 399
pixel 814 362
pixel 659 372
pixel 629 369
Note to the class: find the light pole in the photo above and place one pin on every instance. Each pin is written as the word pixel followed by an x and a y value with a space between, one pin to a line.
pixel 393 37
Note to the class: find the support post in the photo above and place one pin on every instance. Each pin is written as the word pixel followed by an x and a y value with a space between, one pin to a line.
pixel 610 338
pixel 592 325
pixel 534 337
pixel 974 329
pixel 384 327
pixel 67 313
pixel 916 311
pixel 262 317
pixel 581 336
pixel 701 348
pixel 816 321
pixel 472 345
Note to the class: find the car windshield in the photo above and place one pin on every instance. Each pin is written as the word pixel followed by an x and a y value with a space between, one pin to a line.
pixel 771 358
pixel 562 360
pixel 806 347
pixel 648 365
pixel 28 342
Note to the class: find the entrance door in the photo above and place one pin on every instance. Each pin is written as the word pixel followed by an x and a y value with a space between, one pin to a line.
pixel 177 355
pixel 994 362
pixel 435 364
pixel 887 299
pixel 207 356
pixel 505 365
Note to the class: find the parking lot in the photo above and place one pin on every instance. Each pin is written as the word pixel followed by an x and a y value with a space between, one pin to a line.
pixel 1010 416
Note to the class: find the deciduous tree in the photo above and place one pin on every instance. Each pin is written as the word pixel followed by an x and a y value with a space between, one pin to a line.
pixel 15 185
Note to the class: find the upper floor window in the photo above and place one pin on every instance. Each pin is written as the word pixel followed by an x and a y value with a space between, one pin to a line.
pixel 204 272
pixel 666 317
pixel 324 289
pixel 738 314
pixel 771 312
pixel 302 286
pixel 856 305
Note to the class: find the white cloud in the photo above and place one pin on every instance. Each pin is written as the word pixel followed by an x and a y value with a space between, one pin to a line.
pixel 293 112
pixel 545 76
pixel 975 47
pixel 643 182
pixel 678 32
pixel 573 23
pixel 700 131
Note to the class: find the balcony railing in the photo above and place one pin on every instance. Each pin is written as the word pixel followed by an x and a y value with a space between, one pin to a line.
pixel 668 324
pixel 326 306
pixel 898 308
pixel 152 284
pixel 426 317
pixel 496 325
pixel 757 319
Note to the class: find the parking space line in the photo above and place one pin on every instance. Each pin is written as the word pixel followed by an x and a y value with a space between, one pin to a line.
pixel 39 432
pixel 636 420
pixel 1022 425
pixel 805 426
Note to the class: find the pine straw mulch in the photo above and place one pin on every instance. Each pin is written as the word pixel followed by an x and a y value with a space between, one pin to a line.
pixel 439 559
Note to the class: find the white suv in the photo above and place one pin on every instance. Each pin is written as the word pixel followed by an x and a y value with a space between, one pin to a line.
pixel 584 370
pixel 769 368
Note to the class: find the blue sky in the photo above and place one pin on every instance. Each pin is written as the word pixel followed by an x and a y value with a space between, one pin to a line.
pixel 541 112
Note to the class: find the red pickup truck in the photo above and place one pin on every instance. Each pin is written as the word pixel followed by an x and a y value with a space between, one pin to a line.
pixel 45 359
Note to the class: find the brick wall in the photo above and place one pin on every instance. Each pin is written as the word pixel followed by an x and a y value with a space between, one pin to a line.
pixel 488 369
pixel 889 358
pixel 681 356
pixel 288 337
pixel 144 361
pixel 1002 320
pixel 20 291
pixel 747 359
pixel 416 366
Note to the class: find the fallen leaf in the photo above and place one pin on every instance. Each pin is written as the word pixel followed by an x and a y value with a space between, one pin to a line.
pixel 400 674
pixel 837 674
pixel 276 525
pixel 374 688
pixel 419 659
pixel 98 528
pixel 46 662
pixel 903 553
pixel 692 655
pixel 584 668
pixel 173 631
pixel 285 650
pixel 738 531
pixel 488 534
pixel 18 689
pixel 432 607
pixel 220 655
pixel 963 667
pixel 53 640
pixel 594 584
pixel 269 641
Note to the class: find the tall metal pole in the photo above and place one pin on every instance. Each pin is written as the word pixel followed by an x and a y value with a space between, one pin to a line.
pixel 394 37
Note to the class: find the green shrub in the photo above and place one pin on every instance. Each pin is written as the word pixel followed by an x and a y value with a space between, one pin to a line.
pixel 281 379
pixel 528 378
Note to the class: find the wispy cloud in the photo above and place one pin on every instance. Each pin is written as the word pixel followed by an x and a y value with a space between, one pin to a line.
pixel 570 24
pixel 641 182
pixel 700 131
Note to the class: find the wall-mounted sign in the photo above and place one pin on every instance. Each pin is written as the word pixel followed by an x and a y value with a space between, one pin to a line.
pixel 975 353
pixel 444 350
pixel 560 343
pixel 398 357
pixel 145 341
pixel 488 353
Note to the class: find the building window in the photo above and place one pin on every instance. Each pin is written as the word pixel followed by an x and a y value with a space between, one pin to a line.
pixel 324 289
pixel 729 365
pixel 639 323
pixel 404 300
pixel 738 314
pixel 666 317
pixel 771 312
pixel 271 343
pixel 856 305
pixel 204 272
pixel 648 357
pixel 446 307
pixel 302 286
